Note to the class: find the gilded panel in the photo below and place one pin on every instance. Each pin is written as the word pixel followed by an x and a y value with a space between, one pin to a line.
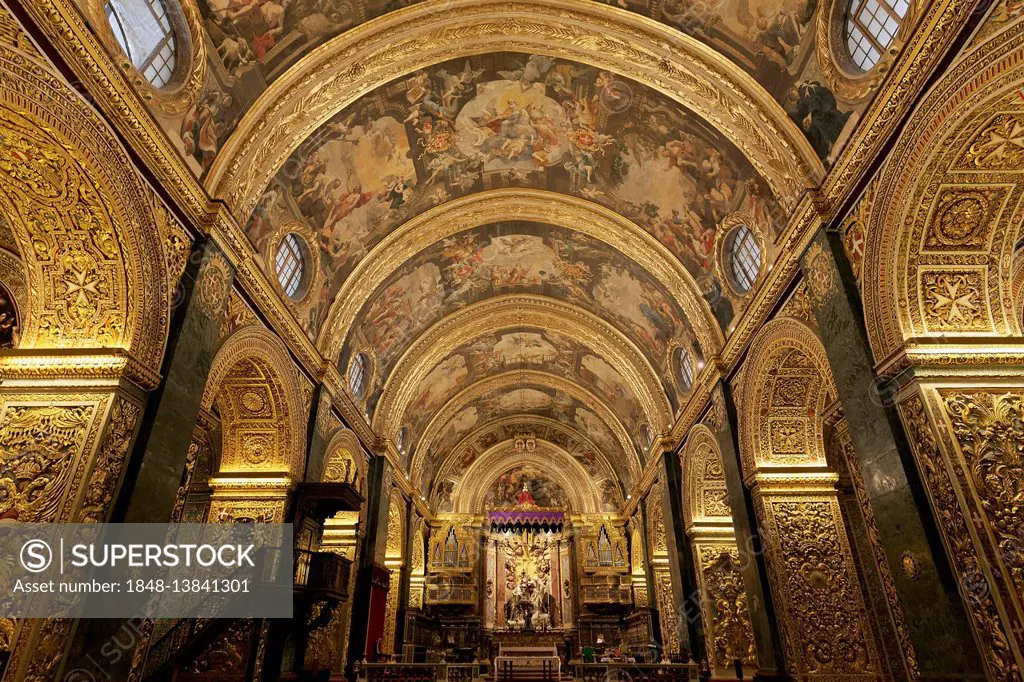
pixel 821 608
pixel 977 585
pixel 728 632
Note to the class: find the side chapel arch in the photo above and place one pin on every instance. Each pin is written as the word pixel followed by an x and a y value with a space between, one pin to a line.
pixel 822 613
pixel 344 460
pixel 100 253
pixel 255 387
pixel 939 250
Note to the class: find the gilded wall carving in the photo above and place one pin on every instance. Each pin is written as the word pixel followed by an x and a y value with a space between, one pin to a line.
pixel 822 611
pixel 989 429
pixel 42 446
pixel 731 635
pixel 946 217
pixel 976 584
pixel 110 461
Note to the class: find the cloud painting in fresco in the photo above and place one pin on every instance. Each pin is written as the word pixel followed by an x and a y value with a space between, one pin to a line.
pixel 521 348
pixel 512 258
pixel 253 42
pixel 512 120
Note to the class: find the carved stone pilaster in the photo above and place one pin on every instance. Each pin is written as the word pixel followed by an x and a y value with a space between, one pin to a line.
pixel 971 471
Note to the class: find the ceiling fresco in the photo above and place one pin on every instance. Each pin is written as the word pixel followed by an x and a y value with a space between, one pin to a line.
pixel 604 468
pixel 254 41
pixel 523 399
pixel 512 258
pixel 510 486
pixel 502 120
pixel 527 348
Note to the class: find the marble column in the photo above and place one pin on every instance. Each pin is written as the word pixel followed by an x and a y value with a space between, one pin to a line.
pixel 371 555
pixel 771 659
pixel 937 643
pixel 686 597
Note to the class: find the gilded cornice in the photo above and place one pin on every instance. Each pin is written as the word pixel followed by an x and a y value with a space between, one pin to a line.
pixel 979 357
pixel 804 224
pixel 75 367
pixel 494 314
pixel 556 463
pixel 351 413
pixel 521 378
pixel 398 43
pixel 263 293
pixel 484 208
pixel 526 421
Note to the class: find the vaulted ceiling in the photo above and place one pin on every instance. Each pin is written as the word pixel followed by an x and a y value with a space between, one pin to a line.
pixel 523 224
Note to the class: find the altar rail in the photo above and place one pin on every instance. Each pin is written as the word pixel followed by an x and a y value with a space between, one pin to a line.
pixel 420 672
pixel 610 672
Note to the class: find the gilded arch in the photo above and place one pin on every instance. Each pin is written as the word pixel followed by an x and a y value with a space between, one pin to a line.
pixel 529 205
pixel 344 461
pixel 495 314
pixel 520 378
pixel 332 77
pixel 98 247
pixel 786 386
pixel 255 385
pixel 939 254
pixel 597 462
pixel 576 483
pixel 704 491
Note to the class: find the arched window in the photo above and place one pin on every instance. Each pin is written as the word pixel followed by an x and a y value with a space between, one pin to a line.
pixel 144 31
pixel 290 265
pixel 870 28
pixel 744 258
pixel 357 374
pixel 684 368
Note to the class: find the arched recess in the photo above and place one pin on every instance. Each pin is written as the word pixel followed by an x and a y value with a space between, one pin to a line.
pixel 526 205
pixel 423 460
pixel 704 493
pixel 558 465
pixel 787 385
pixel 820 601
pixel 728 631
pixel 604 467
pixel 947 215
pixel 398 43
pixel 394 561
pixel 513 312
pixel 253 384
pixel 344 461
pixel 101 254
